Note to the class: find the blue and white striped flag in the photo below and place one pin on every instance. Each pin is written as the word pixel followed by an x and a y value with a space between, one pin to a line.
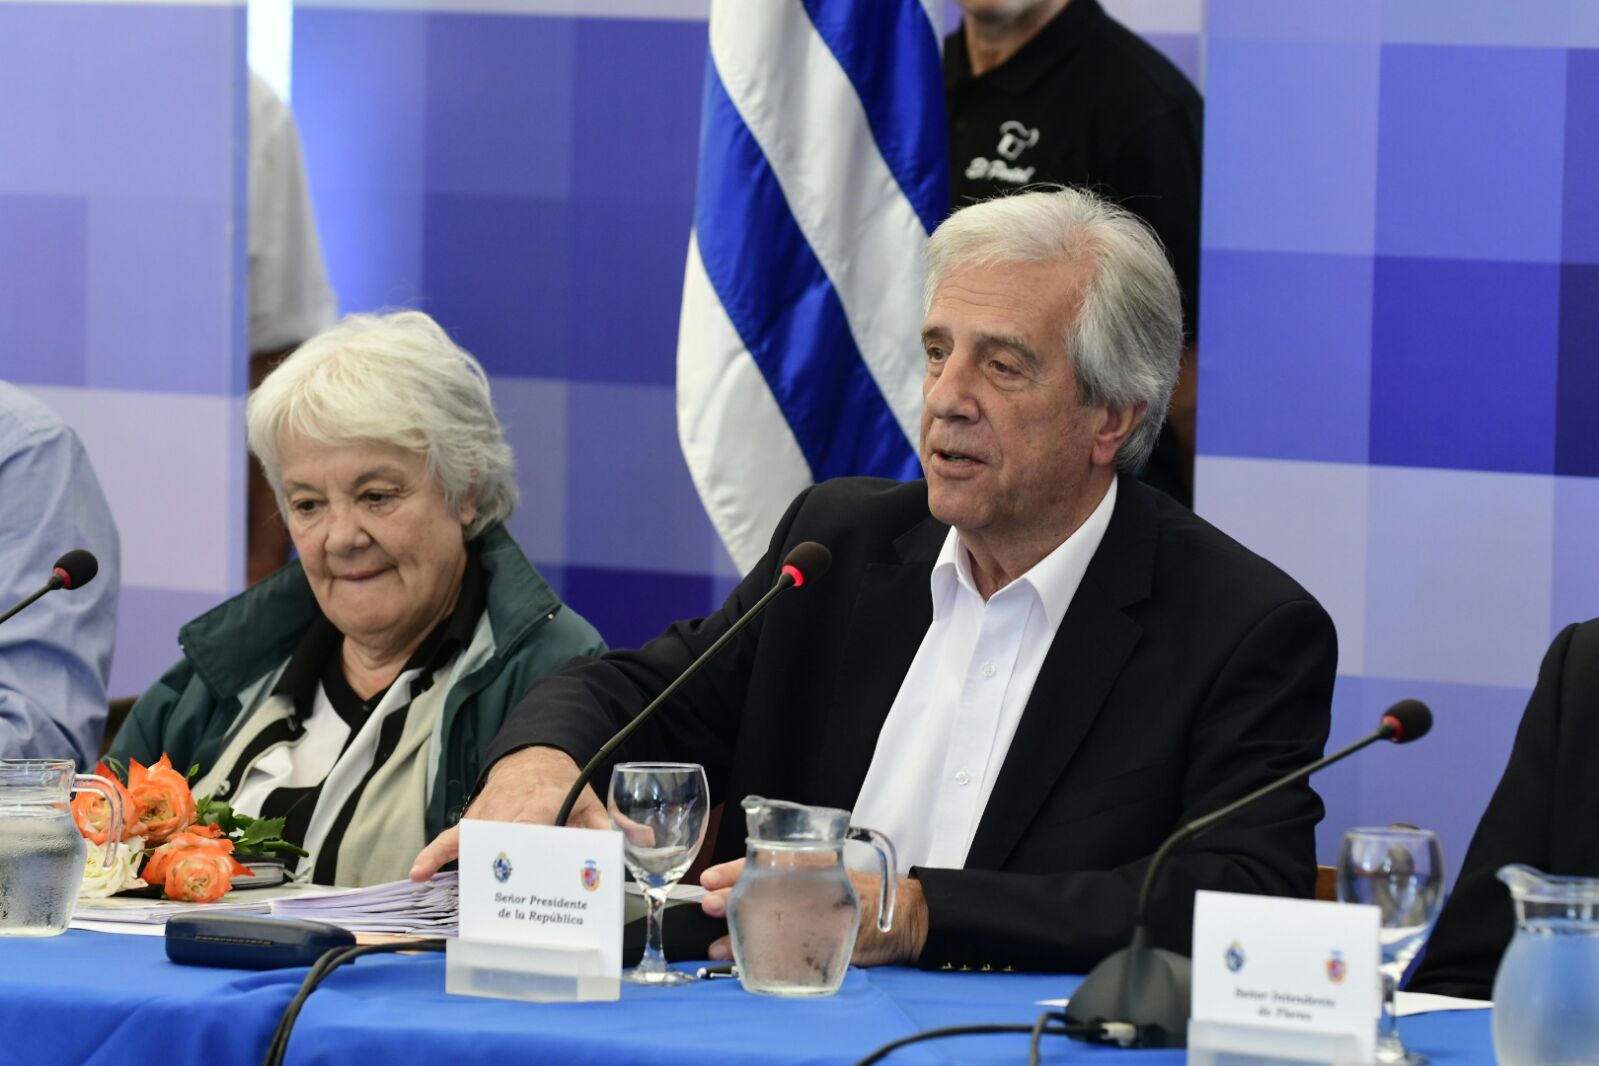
pixel 823 168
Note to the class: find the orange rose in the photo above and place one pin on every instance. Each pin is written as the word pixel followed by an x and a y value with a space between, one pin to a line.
pixel 206 838
pixel 199 876
pixel 166 806
pixel 92 811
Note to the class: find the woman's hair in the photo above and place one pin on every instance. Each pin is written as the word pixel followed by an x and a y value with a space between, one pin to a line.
pixel 1127 336
pixel 391 379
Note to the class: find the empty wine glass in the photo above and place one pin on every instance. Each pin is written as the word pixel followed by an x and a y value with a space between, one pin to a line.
pixel 660 809
pixel 1401 873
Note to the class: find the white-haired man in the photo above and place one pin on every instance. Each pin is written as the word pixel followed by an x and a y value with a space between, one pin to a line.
pixel 1027 669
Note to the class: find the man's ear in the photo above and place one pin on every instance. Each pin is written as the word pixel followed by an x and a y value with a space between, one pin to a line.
pixel 468 509
pixel 1116 425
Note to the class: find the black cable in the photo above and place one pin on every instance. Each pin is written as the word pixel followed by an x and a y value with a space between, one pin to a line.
pixel 278 1047
pixel 1040 1027
pixel 973 1030
pixel 331 960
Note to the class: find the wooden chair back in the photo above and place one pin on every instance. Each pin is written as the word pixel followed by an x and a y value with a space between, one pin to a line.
pixel 118 713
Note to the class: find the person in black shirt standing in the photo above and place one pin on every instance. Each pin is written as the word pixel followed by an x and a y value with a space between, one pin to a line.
pixel 1058 91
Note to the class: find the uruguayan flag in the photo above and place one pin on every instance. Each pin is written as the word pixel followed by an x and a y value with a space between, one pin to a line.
pixel 823 168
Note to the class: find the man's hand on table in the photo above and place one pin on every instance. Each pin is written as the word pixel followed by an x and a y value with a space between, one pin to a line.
pixel 901 945
pixel 525 786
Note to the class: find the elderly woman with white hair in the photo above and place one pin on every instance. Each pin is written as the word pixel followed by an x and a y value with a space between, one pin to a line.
pixel 355 691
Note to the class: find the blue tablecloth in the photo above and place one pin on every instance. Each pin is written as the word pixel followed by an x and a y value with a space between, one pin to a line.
pixel 116 1000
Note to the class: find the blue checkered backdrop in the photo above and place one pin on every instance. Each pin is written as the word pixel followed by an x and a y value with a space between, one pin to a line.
pixel 122 182
pixel 1400 348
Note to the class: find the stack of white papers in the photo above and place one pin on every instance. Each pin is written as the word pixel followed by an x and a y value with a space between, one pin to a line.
pixel 136 914
pixel 397 907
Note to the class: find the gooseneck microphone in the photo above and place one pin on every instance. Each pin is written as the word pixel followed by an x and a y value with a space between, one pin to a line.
pixel 73 570
pixel 1148 987
pixel 805 562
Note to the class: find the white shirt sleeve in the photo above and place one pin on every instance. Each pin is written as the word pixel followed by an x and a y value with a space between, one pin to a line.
pixel 290 298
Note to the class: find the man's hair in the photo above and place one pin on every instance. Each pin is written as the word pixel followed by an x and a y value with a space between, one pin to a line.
pixel 391 379
pixel 1127 336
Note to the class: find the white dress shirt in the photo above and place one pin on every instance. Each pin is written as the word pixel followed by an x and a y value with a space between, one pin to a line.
pixel 946 736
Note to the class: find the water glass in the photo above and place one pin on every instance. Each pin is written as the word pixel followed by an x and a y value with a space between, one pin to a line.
pixel 660 809
pixel 1401 872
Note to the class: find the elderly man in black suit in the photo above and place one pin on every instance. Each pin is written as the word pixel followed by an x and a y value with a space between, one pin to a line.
pixel 1027 669
pixel 1542 814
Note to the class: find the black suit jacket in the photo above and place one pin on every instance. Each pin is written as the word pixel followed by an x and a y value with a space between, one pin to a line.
pixel 1544 813
pixel 1186 672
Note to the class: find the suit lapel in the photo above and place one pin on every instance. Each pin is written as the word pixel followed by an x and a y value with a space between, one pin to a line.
pixel 890 618
pixel 1088 653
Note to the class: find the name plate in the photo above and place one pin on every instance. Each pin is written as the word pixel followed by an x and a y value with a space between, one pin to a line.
pixel 1273 976
pixel 541 913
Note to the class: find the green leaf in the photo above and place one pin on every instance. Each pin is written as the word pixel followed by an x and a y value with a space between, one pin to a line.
pixel 116 767
pixel 195 769
pixel 248 834
pixel 259 830
pixel 216 812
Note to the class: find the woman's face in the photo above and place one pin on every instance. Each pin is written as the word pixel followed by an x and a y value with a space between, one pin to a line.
pixel 382 549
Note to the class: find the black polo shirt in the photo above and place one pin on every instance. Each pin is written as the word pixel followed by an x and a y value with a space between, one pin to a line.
pixel 1086 102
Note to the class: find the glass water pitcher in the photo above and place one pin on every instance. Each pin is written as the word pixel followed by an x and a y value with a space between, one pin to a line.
pixel 793 913
pixel 41 850
pixel 1546 993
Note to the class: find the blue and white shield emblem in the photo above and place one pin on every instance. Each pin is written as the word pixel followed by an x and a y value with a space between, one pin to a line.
pixel 502 868
pixel 1235 956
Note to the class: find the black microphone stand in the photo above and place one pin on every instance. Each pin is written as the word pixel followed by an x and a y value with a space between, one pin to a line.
pixel 784 581
pixel 55 582
pixel 73 570
pixel 1149 987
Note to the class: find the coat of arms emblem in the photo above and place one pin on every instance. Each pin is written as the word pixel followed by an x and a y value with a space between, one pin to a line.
pixel 1235 956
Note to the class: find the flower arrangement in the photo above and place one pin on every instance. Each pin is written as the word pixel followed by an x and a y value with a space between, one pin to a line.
pixel 168 839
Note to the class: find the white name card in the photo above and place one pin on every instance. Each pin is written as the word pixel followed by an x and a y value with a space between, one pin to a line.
pixel 541 912
pixel 1272 974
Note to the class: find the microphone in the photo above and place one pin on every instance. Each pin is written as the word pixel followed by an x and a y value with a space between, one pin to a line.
pixel 1148 987
pixel 73 570
pixel 805 562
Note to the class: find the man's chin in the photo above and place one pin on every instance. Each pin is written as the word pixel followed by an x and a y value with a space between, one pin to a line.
pixel 947 506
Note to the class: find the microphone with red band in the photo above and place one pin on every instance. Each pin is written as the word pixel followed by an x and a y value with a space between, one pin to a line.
pixel 805 562
pixel 1405 721
pixel 1148 987
pixel 73 570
